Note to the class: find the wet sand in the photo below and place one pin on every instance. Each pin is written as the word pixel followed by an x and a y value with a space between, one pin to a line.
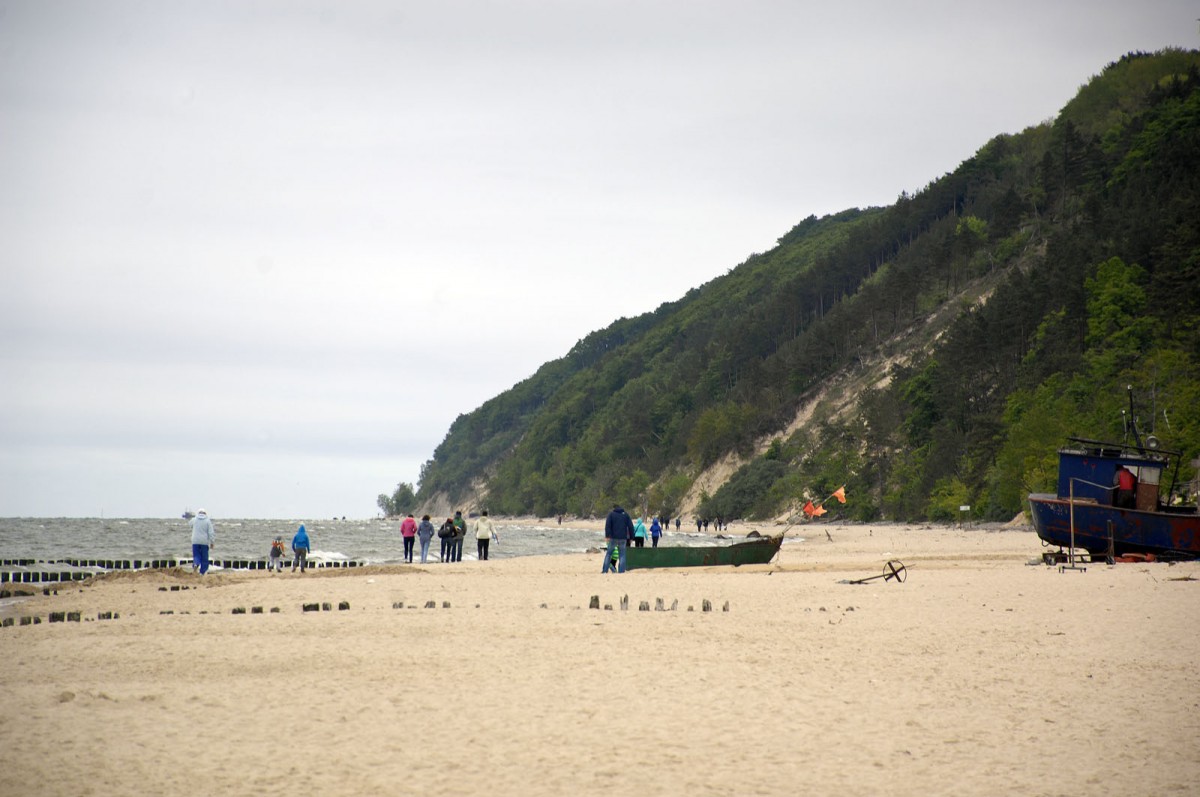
pixel 980 674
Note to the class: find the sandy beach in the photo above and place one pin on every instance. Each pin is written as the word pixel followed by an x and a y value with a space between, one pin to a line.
pixel 980 674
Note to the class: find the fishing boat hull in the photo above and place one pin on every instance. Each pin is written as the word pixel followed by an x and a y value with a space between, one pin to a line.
pixel 1167 535
pixel 752 552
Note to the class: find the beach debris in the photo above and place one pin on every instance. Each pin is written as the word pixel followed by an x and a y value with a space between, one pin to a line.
pixel 274 610
pixel 256 610
pixel 894 569
pixel 595 602
pixel 239 610
pixel 445 604
pixel 312 607
pixel 326 606
pixel 430 604
pixel 397 604
pixel 706 605
pixel 644 606
pixel 343 606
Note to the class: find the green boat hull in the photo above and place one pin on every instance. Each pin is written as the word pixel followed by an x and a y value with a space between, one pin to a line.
pixel 753 552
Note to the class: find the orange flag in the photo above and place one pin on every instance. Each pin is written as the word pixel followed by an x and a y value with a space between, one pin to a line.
pixel 820 511
pixel 840 494
pixel 809 509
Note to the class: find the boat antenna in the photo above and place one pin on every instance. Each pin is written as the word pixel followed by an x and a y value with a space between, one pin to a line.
pixel 1132 420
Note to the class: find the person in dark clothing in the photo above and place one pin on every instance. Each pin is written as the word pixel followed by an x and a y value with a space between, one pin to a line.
pixel 618 530
pixel 446 535
pixel 460 534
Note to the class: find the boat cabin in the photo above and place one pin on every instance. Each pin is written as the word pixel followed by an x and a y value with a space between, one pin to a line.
pixel 1091 471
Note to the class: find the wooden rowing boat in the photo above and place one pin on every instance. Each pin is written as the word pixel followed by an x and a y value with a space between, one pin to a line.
pixel 751 552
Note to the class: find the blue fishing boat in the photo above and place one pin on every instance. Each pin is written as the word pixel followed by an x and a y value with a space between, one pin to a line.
pixel 1110 502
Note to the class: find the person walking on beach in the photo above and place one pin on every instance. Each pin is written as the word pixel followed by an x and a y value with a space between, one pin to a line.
pixel 203 538
pixel 446 535
pixel 639 533
pixel 618 528
pixel 275 560
pixel 425 534
pixel 408 530
pixel 655 532
pixel 485 532
pixel 460 534
pixel 300 546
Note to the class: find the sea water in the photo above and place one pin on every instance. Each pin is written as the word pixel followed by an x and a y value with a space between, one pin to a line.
pixel 366 541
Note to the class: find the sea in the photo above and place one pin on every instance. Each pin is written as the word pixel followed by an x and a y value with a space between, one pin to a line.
pixel 372 541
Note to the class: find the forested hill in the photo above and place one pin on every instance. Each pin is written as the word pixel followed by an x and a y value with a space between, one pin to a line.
pixel 926 355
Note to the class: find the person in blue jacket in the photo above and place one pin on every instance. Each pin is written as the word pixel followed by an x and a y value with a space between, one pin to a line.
pixel 639 533
pixel 300 546
pixel 655 532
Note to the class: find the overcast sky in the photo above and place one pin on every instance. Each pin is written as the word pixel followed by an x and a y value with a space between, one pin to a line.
pixel 257 256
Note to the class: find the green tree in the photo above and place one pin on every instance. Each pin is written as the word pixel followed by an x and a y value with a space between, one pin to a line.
pixel 400 502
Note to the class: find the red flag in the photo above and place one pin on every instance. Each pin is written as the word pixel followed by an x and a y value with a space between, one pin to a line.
pixel 840 494
pixel 809 509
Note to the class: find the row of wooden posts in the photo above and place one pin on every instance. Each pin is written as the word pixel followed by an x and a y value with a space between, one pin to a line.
pixel 659 605
pixel 46 573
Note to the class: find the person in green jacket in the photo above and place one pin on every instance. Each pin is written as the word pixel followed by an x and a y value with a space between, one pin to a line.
pixel 460 534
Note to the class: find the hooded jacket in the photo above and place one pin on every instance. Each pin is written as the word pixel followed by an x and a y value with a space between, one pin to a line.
pixel 425 531
pixel 203 532
pixel 301 539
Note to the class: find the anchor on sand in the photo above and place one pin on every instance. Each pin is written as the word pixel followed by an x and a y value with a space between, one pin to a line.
pixel 893 569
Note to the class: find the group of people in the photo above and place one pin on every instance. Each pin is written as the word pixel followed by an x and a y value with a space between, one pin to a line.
pixel 204 538
pixel 621 531
pixel 300 549
pixel 452 534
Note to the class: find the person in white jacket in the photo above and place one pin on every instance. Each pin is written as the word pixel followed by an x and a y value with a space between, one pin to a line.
pixel 485 532
pixel 203 538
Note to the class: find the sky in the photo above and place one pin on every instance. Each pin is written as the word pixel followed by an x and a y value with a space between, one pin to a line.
pixel 256 256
